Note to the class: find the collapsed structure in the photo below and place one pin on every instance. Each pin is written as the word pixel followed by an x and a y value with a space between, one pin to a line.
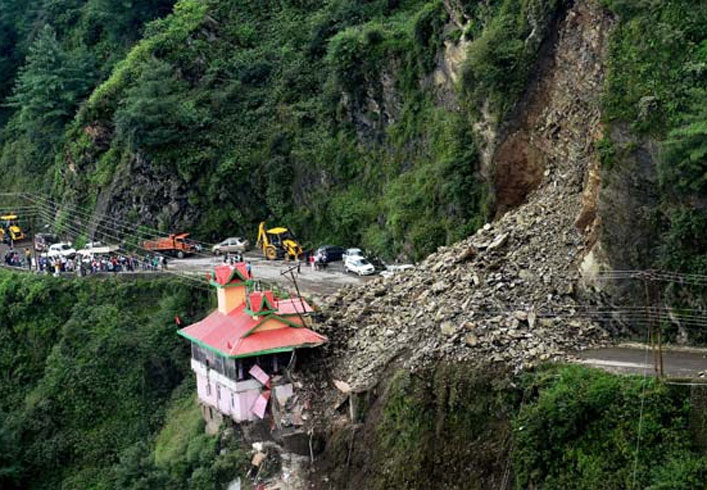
pixel 240 351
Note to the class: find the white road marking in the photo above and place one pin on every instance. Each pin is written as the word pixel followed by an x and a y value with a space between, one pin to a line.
pixel 601 362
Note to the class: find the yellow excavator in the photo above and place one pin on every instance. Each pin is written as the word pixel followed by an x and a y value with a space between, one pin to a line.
pixel 9 229
pixel 278 243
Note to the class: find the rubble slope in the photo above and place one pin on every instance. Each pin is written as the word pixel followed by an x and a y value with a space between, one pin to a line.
pixel 508 293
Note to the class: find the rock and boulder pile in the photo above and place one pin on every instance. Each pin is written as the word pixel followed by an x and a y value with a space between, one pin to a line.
pixel 506 294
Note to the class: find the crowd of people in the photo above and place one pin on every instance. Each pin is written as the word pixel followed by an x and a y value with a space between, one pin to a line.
pixel 14 258
pixel 86 265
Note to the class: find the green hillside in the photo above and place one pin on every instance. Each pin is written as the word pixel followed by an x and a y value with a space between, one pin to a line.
pixel 94 380
pixel 321 115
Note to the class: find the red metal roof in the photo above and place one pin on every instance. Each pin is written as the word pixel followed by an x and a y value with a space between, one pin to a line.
pixel 259 300
pixel 219 331
pixel 282 338
pixel 293 306
pixel 231 334
pixel 230 273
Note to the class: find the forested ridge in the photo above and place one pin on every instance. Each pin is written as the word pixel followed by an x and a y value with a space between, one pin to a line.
pixel 368 123
pixel 95 389
pixel 326 115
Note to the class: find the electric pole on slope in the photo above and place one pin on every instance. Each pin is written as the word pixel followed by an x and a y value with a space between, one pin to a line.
pixel 652 305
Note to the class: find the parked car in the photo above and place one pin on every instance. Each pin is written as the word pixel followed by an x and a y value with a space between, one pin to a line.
pixel 353 252
pixel 359 265
pixel 391 270
pixel 329 253
pixel 93 249
pixel 42 241
pixel 61 250
pixel 230 245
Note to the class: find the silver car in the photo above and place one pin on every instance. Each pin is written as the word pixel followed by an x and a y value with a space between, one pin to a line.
pixel 230 245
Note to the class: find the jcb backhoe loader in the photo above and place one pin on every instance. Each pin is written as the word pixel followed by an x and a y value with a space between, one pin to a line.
pixel 278 243
pixel 9 229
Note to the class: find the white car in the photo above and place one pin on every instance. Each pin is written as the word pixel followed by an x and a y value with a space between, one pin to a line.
pixel 351 253
pixel 359 265
pixel 391 270
pixel 61 250
pixel 92 249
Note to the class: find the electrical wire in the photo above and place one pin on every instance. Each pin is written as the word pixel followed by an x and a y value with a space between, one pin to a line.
pixel 111 230
pixel 76 232
pixel 129 227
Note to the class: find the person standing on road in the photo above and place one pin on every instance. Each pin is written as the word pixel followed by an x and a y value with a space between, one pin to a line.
pixel 28 258
pixel 248 269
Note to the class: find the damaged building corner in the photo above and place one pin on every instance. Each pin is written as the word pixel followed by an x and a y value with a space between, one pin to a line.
pixel 243 353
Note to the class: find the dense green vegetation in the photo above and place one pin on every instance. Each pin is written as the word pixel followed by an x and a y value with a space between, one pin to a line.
pixel 52 54
pixel 587 429
pixel 323 115
pixel 657 83
pixel 562 427
pixel 95 391
pixel 316 114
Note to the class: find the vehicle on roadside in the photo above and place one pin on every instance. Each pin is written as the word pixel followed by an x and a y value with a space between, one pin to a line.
pixel 391 270
pixel 278 243
pixel 42 241
pixel 230 245
pixel 350 253
pixel 329 253
pixel 10 230
pixel 93 249
pixel 359 265
pixel 61 250
pixel 177 245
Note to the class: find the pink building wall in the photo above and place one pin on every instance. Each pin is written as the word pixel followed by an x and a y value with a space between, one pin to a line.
pixel 243 400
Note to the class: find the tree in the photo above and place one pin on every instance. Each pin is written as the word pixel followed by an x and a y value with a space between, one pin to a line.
pixel 157 109
pixel 685 165
pixel 49 85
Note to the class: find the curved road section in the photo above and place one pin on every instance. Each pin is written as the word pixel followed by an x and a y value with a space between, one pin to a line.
pixel 635 359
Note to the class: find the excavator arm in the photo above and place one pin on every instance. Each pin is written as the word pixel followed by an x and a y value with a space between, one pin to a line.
pixel 262 236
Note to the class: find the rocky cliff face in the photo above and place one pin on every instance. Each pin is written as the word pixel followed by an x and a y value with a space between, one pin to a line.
pixel 507 294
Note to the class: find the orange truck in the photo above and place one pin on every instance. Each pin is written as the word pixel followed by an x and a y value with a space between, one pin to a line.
pixel 177 245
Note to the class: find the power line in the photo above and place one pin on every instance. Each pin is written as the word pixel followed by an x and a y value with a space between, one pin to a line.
pixel 131 228
pixel 112 231
pixel 180 275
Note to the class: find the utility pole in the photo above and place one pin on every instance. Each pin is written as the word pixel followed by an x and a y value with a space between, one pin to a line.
pixel 655 324
pixel 649 318
pixel 290 271
pixel 660 330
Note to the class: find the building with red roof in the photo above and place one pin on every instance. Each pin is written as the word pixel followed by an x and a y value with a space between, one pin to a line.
pixel 242 346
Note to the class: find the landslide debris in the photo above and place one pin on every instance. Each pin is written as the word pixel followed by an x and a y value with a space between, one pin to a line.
pixel 506 294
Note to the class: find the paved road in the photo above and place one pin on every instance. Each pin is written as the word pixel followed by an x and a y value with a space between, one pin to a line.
pixel 309 281
pixel 677 363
